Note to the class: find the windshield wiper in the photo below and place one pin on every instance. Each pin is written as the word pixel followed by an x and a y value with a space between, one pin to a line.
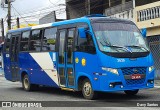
pixel 137 46
pixel 117 46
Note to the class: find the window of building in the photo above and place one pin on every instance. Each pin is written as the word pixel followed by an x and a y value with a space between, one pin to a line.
pixel 35 41
pixel 49 39
pixel 149 15
pixel 24 41
pixel 140 14
pixel 159 11
pixel 154 12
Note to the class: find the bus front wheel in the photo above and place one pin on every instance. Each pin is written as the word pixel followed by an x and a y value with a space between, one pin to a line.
pixel 131 92
pixel 27 85
pixel 87 90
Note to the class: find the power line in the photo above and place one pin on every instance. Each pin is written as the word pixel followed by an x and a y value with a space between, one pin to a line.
pixel 54 3
pixel 19 14
pixel 44 13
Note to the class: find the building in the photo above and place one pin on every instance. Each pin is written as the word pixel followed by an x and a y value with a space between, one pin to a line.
pixel 145 13
pixel 49 18
pixel 148 16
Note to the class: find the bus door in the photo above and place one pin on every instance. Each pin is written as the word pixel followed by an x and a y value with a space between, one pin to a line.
pixel 14 57
pixel 66 58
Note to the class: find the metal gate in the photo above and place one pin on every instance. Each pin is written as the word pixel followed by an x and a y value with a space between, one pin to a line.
pixel 154 44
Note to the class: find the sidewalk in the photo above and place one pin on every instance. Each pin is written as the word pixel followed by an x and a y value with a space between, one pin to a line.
pixel 1 72
pixel 157 83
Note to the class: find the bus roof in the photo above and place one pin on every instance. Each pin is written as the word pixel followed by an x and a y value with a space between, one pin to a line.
pixel 19 30
pixel 77 20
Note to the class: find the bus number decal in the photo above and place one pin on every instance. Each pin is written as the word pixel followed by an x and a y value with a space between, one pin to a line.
pixel 120 60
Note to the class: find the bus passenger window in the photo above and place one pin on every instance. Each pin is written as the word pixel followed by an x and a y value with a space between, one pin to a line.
pixel 35 41
pixel 8 38
pixel 70 45
pixel 62 36
pixel 86 44
pixel 7 43
pixel 49 39
pixel 24 41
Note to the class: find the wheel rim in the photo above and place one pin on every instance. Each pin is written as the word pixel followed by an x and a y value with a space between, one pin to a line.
pixel 26 83
pixel 87 89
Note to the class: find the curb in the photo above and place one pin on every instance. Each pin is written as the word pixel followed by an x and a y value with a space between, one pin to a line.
pixel 1 74
pixel 157 86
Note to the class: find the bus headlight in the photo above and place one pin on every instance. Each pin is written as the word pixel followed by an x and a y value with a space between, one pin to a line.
pixel 151 68
pixel 112 70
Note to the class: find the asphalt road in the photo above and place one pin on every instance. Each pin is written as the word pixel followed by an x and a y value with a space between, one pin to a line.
pixel 13 91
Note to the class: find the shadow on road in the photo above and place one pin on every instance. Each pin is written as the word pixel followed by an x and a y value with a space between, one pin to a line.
pixel 114 96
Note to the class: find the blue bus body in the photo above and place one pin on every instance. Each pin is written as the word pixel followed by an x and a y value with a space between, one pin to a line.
pixel 43 68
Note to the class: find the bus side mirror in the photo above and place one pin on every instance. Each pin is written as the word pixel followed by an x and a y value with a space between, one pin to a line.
pixel 144 32
pixel 82 32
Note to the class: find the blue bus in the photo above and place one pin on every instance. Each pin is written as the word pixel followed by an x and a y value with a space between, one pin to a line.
pixel 91 54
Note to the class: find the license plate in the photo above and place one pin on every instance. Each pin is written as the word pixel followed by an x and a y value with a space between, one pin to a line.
pixel 136 76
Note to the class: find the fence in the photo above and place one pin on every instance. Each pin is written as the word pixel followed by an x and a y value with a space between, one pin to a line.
pixel 154 44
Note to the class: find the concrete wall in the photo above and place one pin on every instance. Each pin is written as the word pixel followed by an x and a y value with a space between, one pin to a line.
pixel 49 18
pixel 125 15
pixel 75 9
pixel 79 8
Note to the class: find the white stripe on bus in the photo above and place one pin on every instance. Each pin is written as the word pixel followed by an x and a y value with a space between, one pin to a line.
pixel 42 26
pixel 45 62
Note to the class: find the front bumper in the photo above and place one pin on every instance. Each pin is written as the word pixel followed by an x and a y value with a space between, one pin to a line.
pixel 120 83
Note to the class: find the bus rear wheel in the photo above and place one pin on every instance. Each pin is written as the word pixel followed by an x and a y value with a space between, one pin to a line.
pixel 87 90
pixel 27 85
pixel 131 92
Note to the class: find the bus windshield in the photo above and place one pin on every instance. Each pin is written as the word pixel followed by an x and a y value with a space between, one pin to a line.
pixel 119 37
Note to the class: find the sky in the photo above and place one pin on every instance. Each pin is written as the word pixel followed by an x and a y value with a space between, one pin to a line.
pixel 25 8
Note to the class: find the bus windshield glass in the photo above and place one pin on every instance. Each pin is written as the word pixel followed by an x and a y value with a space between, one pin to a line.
pixel 119 37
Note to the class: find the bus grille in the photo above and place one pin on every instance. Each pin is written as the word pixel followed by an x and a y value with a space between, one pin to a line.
pixel 135 82
pixel 134 70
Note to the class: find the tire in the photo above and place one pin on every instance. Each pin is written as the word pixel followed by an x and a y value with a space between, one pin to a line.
pixel 27 85
pixel 87 90
pixel 131 92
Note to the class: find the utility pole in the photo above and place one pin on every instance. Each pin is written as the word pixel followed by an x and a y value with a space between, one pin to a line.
pixel 9 14
pixel 89 10
pixel 54 14
pixel 18 25
pixel 87 5
pixel 2 29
